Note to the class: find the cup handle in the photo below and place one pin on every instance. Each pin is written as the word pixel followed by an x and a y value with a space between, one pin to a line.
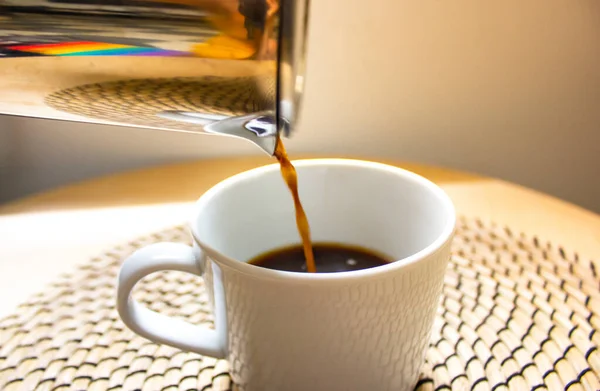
pixel 158 327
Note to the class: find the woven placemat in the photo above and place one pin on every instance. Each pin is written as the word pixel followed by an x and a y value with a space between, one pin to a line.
pixel 516 314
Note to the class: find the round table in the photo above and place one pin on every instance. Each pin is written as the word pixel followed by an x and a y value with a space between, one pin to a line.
pixel 47 234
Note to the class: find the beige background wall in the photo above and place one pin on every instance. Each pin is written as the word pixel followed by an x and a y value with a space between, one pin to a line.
pixel 508 88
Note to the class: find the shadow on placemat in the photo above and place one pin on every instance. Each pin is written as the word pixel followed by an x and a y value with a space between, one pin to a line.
pixel 516 313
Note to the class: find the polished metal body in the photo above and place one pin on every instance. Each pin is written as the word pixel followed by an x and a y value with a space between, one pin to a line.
pixel 232 67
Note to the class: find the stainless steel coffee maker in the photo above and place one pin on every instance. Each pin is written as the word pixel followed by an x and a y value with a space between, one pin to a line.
pixel 229 67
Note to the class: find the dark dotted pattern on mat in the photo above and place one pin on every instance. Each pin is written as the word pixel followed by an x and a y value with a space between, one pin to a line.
pixel 516 314
pixel 139 101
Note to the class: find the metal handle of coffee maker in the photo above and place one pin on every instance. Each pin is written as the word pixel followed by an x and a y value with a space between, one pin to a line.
pixel 229 67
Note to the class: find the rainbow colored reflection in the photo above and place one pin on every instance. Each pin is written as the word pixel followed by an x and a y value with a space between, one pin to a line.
pixel 89 48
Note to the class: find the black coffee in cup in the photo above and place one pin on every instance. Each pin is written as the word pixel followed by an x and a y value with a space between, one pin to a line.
pixel 329 258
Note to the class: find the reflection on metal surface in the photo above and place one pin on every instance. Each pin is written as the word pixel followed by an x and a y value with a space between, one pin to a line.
pixel 165 64
pixel 241 126
pixel 261 126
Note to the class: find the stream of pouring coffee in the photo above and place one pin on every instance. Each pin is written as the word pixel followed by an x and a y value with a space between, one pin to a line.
pixel 288 171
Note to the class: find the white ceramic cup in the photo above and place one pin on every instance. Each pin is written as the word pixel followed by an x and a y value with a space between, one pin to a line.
pixel 358 330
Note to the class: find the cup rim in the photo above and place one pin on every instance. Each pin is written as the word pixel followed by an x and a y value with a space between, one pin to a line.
pixel 436 245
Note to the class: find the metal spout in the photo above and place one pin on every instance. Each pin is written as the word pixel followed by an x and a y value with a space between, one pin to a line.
pixel 259 128
pixel 230 67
